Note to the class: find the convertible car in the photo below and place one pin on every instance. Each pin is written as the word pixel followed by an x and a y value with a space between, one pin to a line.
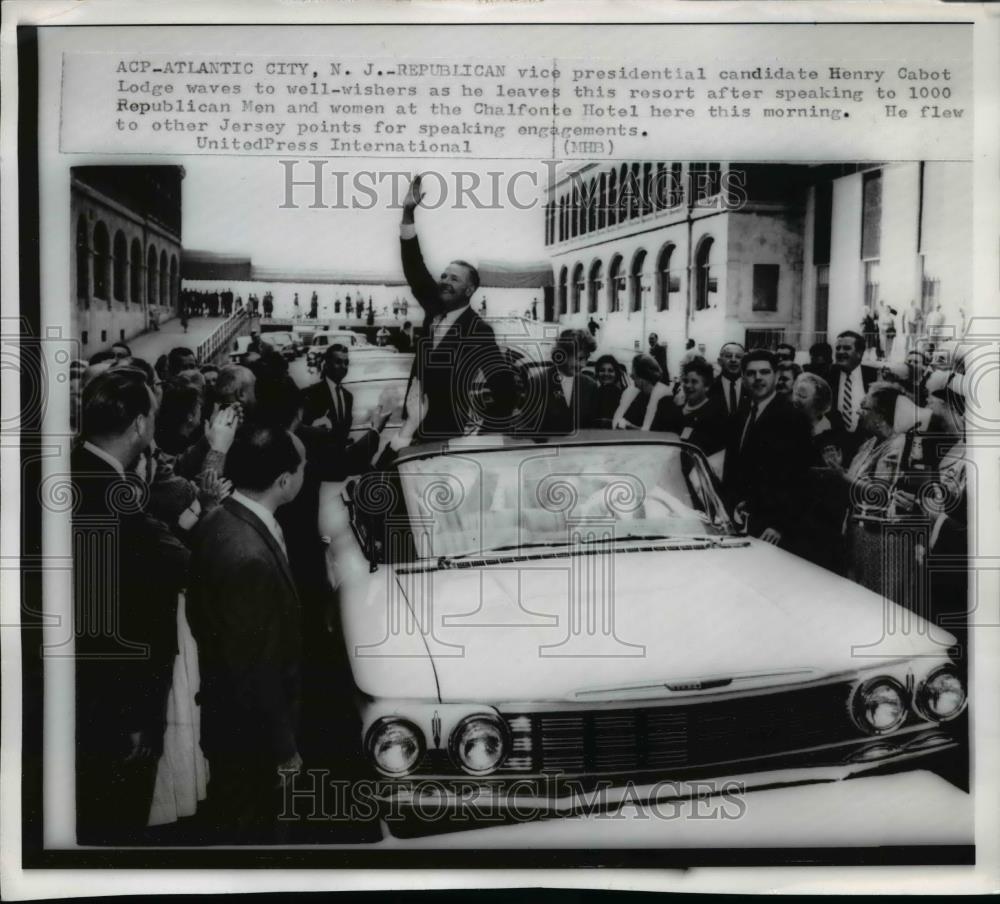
pixel 527 621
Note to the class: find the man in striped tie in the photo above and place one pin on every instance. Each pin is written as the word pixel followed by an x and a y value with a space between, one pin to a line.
pixel 850 382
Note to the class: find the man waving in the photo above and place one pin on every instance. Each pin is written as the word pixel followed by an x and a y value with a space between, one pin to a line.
pixel 457 355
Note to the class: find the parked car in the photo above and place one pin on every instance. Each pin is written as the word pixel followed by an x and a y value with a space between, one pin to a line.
pixel 241 345
pixel 283 342
pixel 527 621
pixel 322 340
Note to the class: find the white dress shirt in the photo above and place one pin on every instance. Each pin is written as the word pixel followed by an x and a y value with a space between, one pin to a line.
pixel 267 517
pixel 442 323
pixel 567 387
pixel 737 385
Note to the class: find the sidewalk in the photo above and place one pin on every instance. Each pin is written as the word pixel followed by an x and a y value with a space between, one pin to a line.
pixel 153 343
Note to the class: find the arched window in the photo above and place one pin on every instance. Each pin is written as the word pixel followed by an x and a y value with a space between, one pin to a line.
pixel 616 284
pixel 152 282
pixel 635 192
pixel 602 201
pixel 102 261
pixel 574 210
pixel 174 282
pixel 638 262
pixel 120 266
pixel 612 198
pixel 578 284
pixel 563 276
pixel 592 206
pixel 135 273
pixel 705 282
pixel 82 262
pixel 666 282
pixel 164 275
pixel 596 283
pixel 624 193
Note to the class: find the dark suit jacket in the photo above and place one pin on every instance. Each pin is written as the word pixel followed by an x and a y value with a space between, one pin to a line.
pixel 317 402
pixel 659 354
pixel 244 613
pixel 448 373
pixel 705 427
pixel 720 390
pixel 769 472
pixel 126 618
pixel 330 453
pixel 128 568
pixel 545 411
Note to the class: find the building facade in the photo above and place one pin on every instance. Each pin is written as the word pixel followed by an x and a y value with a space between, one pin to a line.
pixel 756 253
pixel 126 250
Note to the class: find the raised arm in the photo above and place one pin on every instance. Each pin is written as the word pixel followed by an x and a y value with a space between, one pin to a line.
pixel 422 284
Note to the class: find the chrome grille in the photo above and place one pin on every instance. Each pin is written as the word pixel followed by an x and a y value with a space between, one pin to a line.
pixel 689 734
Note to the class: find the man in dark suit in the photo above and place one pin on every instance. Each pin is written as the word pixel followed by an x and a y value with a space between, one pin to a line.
pixel 849 382
pixel 244 613
pixel 767 456
pixel 327 400
pixel 659 354
pixel 125 628
pixel 561 399
pixel 457 344
pixel 327 418
pixel 729 387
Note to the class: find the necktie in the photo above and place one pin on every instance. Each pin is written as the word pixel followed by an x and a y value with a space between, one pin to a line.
pixel 732 396
pixel 280 538
pixel 846 404
pixel 337 408
pixel 751 420
pixel 437 333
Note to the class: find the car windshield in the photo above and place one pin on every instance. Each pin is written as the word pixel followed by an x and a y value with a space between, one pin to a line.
pixel 390 367
pixel 388 393
pixel 483 500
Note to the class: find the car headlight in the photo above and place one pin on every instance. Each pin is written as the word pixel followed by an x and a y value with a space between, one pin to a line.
pixel 879 705
pixel 941 696
pixel 395 746
pixel 479 744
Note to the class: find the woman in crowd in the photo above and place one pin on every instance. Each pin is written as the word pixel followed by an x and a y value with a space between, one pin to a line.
pixel 701 420
pixel 820 537
pixel 611 383
pixel 870 479
pixel 811 395
pixel 637 407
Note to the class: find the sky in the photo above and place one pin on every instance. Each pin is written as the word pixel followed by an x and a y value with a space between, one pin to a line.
pixel 234 206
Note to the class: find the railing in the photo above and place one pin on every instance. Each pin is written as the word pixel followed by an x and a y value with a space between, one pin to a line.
pixel 220 338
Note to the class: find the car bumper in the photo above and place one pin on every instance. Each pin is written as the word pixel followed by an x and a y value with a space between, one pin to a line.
pixel 435 804
pixel 909 808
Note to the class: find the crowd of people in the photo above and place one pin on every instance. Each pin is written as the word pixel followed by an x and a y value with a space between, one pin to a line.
pixel 200 485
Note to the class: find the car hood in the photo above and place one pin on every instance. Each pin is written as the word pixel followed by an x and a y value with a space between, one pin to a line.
pixel 621 626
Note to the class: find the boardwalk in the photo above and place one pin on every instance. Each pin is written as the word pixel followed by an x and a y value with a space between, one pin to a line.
pixel 153 343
